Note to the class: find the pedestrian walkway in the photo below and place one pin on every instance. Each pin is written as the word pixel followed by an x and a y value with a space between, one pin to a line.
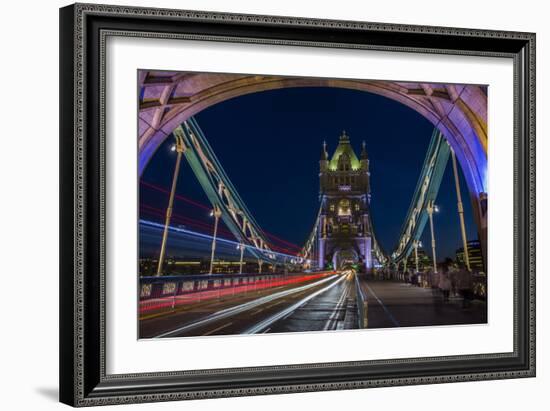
pixel 397 304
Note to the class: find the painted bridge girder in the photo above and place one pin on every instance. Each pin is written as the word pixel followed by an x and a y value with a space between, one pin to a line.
pixel 424 196
pixel 223 195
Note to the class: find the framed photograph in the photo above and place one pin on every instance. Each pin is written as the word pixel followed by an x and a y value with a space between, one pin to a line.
pixel 261 204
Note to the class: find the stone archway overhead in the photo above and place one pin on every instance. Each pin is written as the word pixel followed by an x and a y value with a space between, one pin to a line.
pixel 168 98
pixel 459 111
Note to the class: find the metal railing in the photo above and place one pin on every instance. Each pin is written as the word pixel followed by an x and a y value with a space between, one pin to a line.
pixel 167 293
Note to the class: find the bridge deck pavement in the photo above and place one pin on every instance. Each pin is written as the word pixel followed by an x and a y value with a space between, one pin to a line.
pixel 310 309
pixel 333 310
pixel 396 304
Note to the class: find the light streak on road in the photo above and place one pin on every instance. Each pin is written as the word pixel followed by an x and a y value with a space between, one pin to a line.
pixel 228 312
pixel 332 321
pixel 281 314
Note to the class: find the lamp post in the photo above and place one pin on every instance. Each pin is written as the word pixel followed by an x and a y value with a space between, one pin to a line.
pixel 241 247
pixel 460 212
pixel 180 148
pixel 415 245
pixel 431 209
pixel 216 213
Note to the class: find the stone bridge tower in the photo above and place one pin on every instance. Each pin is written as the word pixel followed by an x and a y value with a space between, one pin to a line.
pixel 345 236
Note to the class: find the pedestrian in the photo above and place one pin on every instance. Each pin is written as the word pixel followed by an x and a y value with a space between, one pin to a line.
pixel 445 286
pixel 464 285
pixel 453 277
pixel 434 279
pixel 433 283
pixel 414 279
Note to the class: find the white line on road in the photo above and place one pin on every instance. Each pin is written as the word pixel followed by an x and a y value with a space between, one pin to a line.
pixel 217 329
pixel 228 312
pixel 259 310
pixel 274 304
pixel 336 311
pixel 281 314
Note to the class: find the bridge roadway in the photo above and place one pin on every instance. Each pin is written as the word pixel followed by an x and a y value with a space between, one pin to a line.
pixel 321 304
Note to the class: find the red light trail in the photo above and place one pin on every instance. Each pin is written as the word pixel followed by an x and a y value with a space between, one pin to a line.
pixel 295 248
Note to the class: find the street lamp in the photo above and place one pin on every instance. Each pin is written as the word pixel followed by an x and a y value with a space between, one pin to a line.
pixel 431 209
pixel 180 147
pixel 416 243
pixel 216 213
pixel 241 247
pixel 460 212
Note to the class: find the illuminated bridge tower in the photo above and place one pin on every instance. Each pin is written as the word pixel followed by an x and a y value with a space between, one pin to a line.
pixel 345 235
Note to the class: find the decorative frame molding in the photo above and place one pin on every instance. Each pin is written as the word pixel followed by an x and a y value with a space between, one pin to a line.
pixel 83 32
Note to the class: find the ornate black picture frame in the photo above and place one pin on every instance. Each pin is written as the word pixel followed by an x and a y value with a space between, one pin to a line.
pixel 83 30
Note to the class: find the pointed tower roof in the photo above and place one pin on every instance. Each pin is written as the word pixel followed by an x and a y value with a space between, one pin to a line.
pixel 324 154
pixel 344 146
pixel 364 155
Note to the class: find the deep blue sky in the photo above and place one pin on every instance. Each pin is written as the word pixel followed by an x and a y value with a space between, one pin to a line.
pixel 269 144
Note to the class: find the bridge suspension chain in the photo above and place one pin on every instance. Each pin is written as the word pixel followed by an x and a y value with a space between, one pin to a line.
pixel 423 200
pixel 225 199
pixel 308 251
pixel 231 208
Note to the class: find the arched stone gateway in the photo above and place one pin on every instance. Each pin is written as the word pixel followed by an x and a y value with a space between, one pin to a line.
pixel 459 111
pixel 345 259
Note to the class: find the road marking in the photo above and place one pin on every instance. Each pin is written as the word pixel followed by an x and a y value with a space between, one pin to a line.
pixel 228 312
pixel 257 311
pixel 273 305
pixel 392 318
pixel 218 329
pixel 337 308
pixel 266 330
pixel 281 314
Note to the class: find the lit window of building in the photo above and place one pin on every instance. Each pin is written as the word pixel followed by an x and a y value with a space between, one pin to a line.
pixel 474 255
pixel 344 208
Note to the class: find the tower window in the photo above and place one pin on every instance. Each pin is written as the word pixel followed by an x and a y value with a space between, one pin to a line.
pixel 344 208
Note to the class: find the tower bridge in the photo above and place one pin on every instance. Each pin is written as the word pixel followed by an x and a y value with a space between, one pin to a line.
pixel 344 180
pixel 340 279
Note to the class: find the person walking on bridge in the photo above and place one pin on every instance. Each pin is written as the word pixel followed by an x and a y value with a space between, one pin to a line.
pixel 464 285
pixel 445 286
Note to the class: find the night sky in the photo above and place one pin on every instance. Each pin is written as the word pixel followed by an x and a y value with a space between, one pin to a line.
pixel 269 144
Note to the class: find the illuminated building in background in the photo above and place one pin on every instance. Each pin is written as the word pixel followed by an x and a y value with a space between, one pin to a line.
pixel 197 266
pixel 424 261
pixel 474 255
pixel 345 237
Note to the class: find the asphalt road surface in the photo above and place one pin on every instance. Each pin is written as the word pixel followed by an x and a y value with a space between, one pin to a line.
pixel 315 305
